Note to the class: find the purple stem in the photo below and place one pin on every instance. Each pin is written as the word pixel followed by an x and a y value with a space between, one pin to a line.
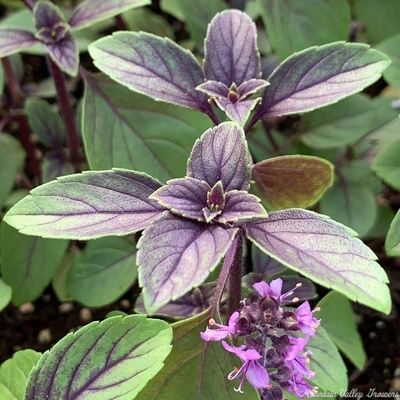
pixel 270 137
pixel 29 3
pixel 119 21
pixel 67 113
pixel 235 276
pixel 16 97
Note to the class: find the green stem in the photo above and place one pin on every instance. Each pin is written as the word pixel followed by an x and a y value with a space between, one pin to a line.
pixel 67 113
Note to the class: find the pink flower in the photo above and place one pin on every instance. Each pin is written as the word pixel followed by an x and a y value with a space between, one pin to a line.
pixel 250 369
pixel 223 331
pixel 274 289
pixel 307 323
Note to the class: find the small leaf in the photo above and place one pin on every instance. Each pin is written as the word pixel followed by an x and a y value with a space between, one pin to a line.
pixel 392 244
pixel 354 185
pixel 111 359
pixel 8 166
pixel 88 205
pixel 103 272
pixel 15 40
pixel 147 136
pixel 263 264
pixel 65 55
pixel 387 164
pixel 324 22
pixel 389 47
pixel 187 306
pixel 46 14
pixel 230 49
pixel 184 196
pixel 337 125
pixel 55 164
pixel 28 263
pixel 336 311
pixel 90 12
pixel 241 206
pixel 14 374
pixel 326 362
pixel 326 252
pixel 221 154
pixel 196 20
pixel 239 111
pixel 292 181
pixel 5 295
pixel 176 255
pixel 319 76
pixel 45 122
pixel 153 66
pixel 183 367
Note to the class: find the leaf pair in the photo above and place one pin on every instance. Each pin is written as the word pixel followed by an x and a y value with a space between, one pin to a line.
pixel 306 80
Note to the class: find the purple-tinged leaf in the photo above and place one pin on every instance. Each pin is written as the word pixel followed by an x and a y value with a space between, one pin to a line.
pixel 111 359
pixel 88 206
pixel 239 111
pixel 15 40
pixel 184 196
pixel 91 11
pixel 230 48
pixel 214 88
pixel 251 86
pixel 241 206
pixel 319 76
pixel 55 163
pixel 65 55
pixel 264 264
pixel 156 67
pixel 292 181
pixel 46 14
pixel 326 252
pixel 221 154
pixel 54 34
pixel 193 303
pixel 176 255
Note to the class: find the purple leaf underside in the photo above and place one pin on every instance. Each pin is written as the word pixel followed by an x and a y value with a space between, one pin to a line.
pixel 221 154
pixel 47 14
pixel 184 196
pixel 231 53
pixel 92 11
pixel 65 55
pixel 153 66
pixel 325 251
pixel 176 255
pixel 242 206
pixel 15 40
pixel 319 76
pixel 88 205
pixel 214 88
pixel 239 111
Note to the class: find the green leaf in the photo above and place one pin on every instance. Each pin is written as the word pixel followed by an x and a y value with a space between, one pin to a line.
pixel 354 185
pixel 390 47
pixel 14 374
pixel 392 244
pixel 5 294
pixel 28 262
pixel 104 271
pixel 196 18
pixel 8 167
pixel 45 122
pixel 136 132
pixel 183 368
pixel 1 79
pixel 337 125
pixel 324 22
pixel 60 276
pixel 380 18
pixel 292 181
pixel 142 19
pixel 337 318
pixel 387 164
pixel 326 362
pixel 111 359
